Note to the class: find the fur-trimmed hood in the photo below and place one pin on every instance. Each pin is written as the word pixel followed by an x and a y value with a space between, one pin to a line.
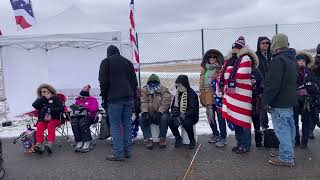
pixel 311 59
pixel 245 51
pixel 47 86
pixel 210 53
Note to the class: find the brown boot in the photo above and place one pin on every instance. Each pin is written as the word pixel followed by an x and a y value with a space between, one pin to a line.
pixel 149 144
pixel 162 143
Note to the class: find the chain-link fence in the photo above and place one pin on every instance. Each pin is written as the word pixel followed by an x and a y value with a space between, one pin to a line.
pixel 169 54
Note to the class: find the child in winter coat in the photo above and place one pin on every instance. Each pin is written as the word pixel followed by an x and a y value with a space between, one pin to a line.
pixel 211 65
pixel 49 109
pixel 184 111
pixel 307 94
pixel 81 124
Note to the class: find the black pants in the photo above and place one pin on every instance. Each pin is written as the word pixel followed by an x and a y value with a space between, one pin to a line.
pixel 306 118
pixel 315 119
pixel 187 124
pixel 81 128
pixel 257 132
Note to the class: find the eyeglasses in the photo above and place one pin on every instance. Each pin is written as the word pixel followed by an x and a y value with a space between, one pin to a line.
pixel 264 43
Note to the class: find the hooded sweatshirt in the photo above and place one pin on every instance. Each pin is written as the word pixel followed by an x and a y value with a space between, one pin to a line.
pixel 264 58
pixel 118 81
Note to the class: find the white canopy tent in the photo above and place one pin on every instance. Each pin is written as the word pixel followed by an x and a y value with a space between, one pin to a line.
pixel 66 61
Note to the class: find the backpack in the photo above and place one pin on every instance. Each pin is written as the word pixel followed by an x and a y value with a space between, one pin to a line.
pixel 270 139
pixel 104 131
pixel 2 171
pixel 27 139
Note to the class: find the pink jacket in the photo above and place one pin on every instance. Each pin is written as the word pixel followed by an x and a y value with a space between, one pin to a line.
pixel 90 103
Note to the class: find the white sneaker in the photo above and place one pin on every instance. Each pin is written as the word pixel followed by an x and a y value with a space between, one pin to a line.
pixel 78 146
pixel 87 146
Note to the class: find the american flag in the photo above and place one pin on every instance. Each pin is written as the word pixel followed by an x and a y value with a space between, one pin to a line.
pixel 133 39
pixel 237 106
pixel 23 13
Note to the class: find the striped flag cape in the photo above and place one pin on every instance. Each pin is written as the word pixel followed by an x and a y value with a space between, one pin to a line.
pixel 237 106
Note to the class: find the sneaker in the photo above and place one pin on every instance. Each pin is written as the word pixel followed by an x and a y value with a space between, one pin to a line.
pixel 213 139
pixel 87 146
pixel 235 148
pixel 39 148
pixel 242 151
pixel 276 154
pixel 162 143
pixel 221 143
pixel 78 146
pixel 49 147
pixel 149 144
pixel 114 158
pixel 192 144
pixel 178 142
pixel 278 162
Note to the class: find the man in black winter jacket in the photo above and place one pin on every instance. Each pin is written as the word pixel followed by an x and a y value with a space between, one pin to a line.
pixel 184 111
pixel 280 94
pixel 118 85
pixel 264 55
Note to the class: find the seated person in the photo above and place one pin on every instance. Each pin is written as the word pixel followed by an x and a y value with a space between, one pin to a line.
pixel 155 104
pixel 49 109
pixel 184 111
pixel 81 123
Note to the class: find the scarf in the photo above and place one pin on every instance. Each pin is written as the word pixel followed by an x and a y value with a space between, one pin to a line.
pixel 302 91
pixel 152 87
pixel 235 62
pixel 209 74
pixel 184 97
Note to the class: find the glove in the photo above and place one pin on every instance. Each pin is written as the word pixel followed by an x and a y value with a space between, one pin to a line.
pixel 175 111
pixel 74 107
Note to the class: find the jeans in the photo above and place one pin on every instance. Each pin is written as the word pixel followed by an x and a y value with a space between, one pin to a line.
pixel 306 119
pixel 120 113
pixel 81 128
pixel 243 137
pixel 283 124
pixel 163 126
pixel 211 110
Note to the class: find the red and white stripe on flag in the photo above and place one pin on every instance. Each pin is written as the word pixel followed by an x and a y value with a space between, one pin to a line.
pixel 133 39
pixel 23 13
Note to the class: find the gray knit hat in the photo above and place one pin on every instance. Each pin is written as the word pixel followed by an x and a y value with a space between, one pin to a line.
pixel 279 41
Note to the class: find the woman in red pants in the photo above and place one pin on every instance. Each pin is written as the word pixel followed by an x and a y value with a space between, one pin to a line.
pixel 49 109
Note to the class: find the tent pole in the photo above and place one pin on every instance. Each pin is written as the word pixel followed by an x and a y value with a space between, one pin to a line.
pixel 3 98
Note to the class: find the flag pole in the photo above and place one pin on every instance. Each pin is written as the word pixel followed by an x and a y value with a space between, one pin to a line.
pixel 139 73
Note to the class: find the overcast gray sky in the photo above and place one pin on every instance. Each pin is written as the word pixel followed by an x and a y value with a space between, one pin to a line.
pixel 171 15
pixel 176 15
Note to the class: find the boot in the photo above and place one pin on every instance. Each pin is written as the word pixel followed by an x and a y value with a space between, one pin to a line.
pixel 49 147
pixel 258 138
pixel 178 142
pixel 39 148
pixel 149 144
pixel 192 144
pixel 87 146
pixel 162 143
pixel 78 146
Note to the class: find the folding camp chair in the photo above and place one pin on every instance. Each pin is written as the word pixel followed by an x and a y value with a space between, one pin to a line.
pixel 62 128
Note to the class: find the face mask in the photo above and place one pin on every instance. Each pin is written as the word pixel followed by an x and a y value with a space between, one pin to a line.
pixel 180 88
